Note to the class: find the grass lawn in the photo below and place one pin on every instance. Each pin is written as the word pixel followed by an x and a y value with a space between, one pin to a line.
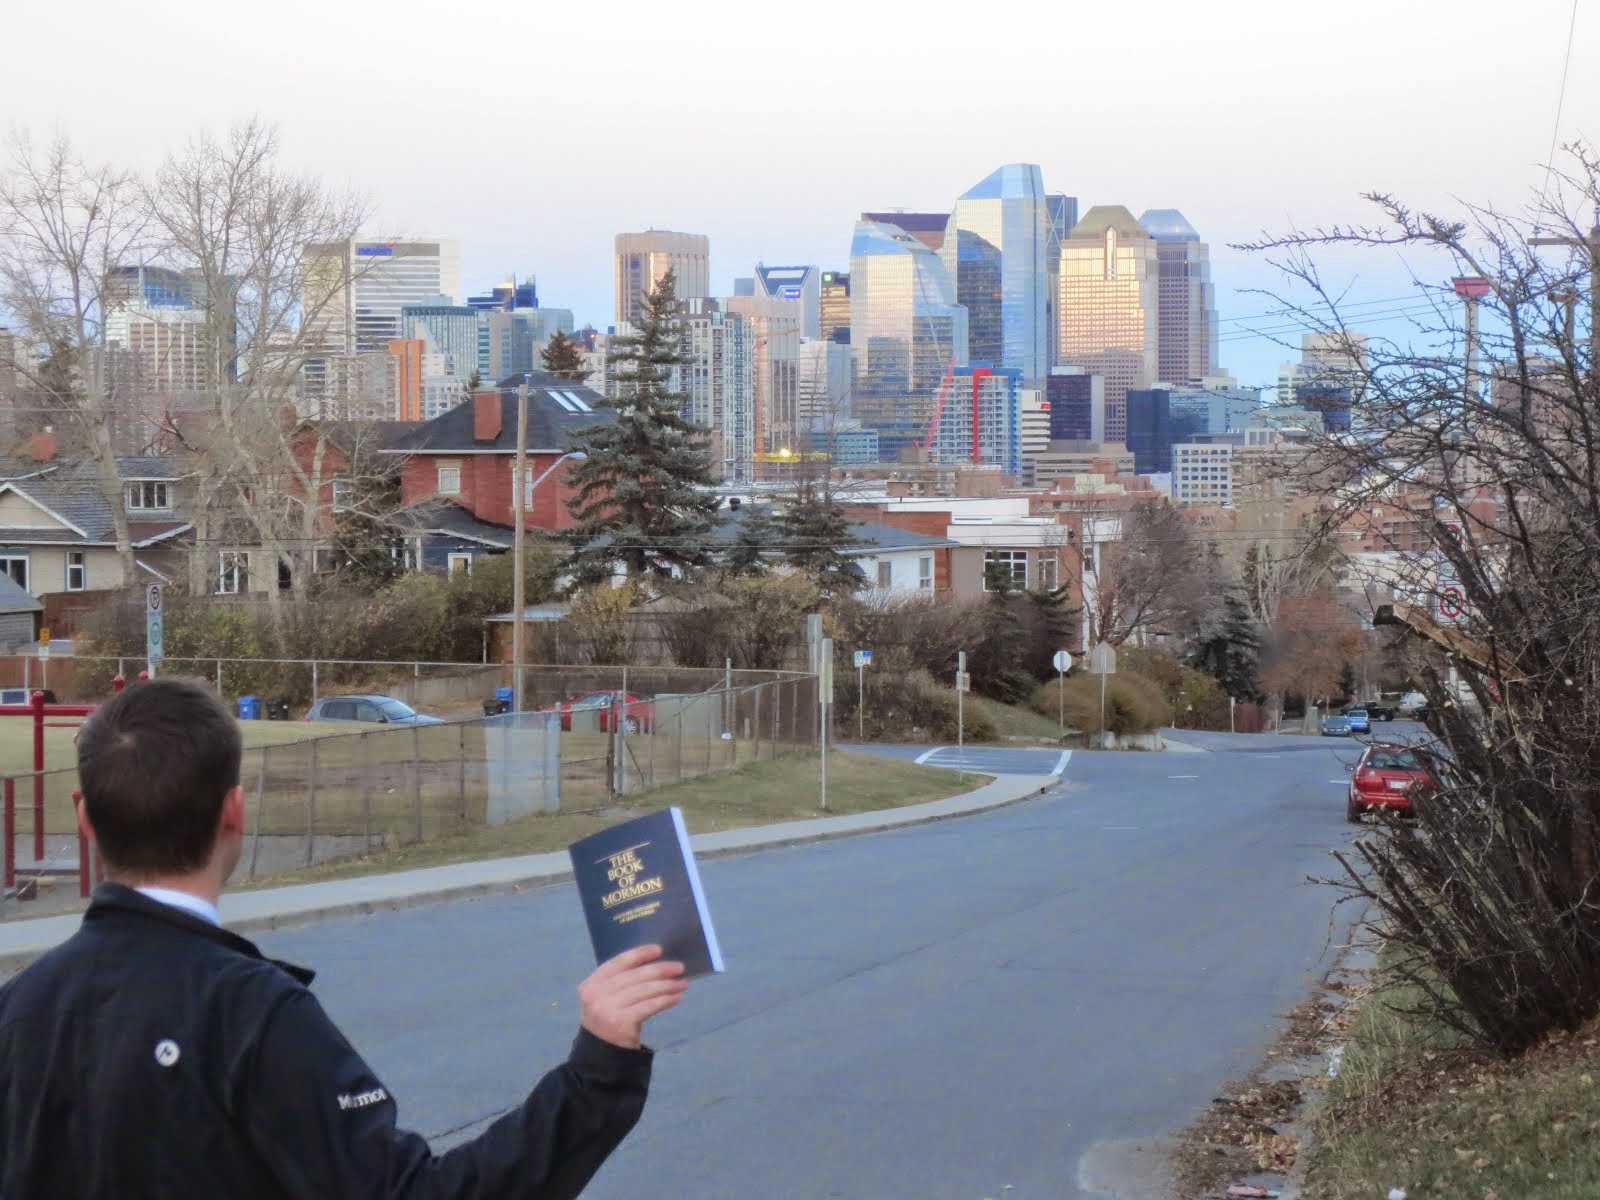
pixel 16 739
pixel 1413 1109
pixel 764 793
pixel 1017 720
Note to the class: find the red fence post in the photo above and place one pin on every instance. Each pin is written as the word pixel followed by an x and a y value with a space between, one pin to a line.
pixel 38 777
pixel 11 831
pixel 118 683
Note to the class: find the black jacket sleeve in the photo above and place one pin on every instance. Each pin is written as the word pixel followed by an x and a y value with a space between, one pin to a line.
pixel 325 1125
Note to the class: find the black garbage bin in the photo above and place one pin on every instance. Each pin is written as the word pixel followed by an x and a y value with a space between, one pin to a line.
pixel 277 708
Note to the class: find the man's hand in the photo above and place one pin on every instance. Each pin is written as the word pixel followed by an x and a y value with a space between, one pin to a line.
pixel 624 993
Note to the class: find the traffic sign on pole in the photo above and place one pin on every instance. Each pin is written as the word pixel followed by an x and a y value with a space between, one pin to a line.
pixel 1103 659
pixel 154 634
pixel 1062 661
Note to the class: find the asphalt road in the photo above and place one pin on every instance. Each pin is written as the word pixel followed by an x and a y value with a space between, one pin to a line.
pixel 936 1012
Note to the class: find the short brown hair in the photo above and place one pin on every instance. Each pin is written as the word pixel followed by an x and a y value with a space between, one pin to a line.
pixel 154 763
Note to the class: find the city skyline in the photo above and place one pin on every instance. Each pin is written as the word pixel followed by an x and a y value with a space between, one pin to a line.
pixel 780 186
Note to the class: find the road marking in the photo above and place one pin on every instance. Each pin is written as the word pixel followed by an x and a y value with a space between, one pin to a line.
pixel 1272 756
pixel 1340 782
pixel 1061 764
pixel 1183 777
pixel 1119 828
pixel 922 758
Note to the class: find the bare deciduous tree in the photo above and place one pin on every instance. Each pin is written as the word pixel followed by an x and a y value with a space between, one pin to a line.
pixel 1157 575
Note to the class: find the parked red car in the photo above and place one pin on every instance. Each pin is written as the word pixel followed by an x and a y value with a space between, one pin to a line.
pixel 638 716
pixel 1387 777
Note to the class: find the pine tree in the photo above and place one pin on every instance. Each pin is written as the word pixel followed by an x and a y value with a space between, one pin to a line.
pixel 997 661
pixel 1229 648
pixel 643 498
pixel 755 536
pixel 562 358
pixel 816 534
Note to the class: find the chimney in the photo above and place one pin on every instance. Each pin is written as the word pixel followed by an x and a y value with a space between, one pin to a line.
pixel 486 416
pixel 42 446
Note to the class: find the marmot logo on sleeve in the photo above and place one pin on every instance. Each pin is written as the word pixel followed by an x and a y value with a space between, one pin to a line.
pixel 362 1099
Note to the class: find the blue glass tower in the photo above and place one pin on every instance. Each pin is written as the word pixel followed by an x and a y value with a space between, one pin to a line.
pixel 996 249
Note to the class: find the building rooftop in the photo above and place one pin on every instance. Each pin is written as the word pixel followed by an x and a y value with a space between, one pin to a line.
pixel 1102 217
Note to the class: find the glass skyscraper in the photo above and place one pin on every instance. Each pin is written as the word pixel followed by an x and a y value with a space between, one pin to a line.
pixel 995 248
pixel 907 332
pixel 1107 306
pixel 1186 315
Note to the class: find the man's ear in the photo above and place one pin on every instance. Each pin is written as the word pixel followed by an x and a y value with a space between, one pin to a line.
pixel 232 817
pixel 82 809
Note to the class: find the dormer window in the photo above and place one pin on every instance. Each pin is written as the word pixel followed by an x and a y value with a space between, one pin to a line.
pixel 149 495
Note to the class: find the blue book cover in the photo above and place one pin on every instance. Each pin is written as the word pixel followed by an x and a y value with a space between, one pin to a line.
pixel 640 887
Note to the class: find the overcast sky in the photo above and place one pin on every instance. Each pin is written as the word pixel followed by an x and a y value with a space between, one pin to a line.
pixel 534 132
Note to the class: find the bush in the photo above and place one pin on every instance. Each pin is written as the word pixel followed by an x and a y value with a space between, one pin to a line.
pixel 1196 699
pixel 1134 704
pixel 905 634
pixel 905 707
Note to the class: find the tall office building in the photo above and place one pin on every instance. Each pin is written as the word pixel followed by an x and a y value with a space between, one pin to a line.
pixel 1186 315
pixel 907 332
pixel 718 380
pixel 995 248
pixel 1077 403
pixel 833 304
pixel 449 329
pixel 803 284
pixel 927 227
pixel 358 289
pixel 824 388
pixel 516 337
pixel 776 325
pixel 1107 305
pixel 1061 213
pixel 643 258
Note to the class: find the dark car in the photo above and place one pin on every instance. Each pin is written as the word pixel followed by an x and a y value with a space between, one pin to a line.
pixel 370 709
pixel 1337 726
pixel 1388 777
pixel 1375 710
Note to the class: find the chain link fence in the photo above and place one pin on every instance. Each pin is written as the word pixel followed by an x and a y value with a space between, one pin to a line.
pixel 586 739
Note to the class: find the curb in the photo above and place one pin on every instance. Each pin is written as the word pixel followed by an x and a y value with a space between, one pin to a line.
pixel 536 871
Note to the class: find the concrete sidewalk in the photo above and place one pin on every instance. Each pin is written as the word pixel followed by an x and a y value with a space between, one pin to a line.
pixel 269 908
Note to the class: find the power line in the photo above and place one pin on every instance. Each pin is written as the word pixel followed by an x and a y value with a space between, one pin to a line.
pixel 1561 96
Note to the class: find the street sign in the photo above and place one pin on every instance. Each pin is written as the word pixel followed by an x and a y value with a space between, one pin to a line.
pixel 153 632
pixel 44 642
pixel 825 670
pixel 1062 661
pixel 1103 660
pixel 863 658
pixel 963 682
pixel 1452 605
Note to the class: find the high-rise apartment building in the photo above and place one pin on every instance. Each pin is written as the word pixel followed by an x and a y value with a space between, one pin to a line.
pixel 718 380
pixel 996 250
pixel 801 284
pixel 833 305
pixel 907 333
pixel 776 325
pixel 1186 316
pixel 980 419
pixel 824 395
pixel 449 329
pixel 517 337
pixel 358 290
pixel 1107 305
pixel 644 258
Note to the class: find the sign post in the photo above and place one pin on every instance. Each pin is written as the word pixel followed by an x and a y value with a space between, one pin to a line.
pixel 44 658
pixel 153 632
pixel 1103 662
pixel 963 682
pixel 863 659
pixel 825 697
pixel 1062 663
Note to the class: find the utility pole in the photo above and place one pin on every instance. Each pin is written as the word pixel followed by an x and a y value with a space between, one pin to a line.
pixel 519 545
pixel 1471 289
pixel 1592 244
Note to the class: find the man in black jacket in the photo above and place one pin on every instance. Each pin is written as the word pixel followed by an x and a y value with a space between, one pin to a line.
pixel 155 1054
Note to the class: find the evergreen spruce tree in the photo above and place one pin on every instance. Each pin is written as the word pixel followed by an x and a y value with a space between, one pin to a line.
pixel 562 358
pixel 756 534
pixel 1229 649
pixel 996 665
pixel 816 533
pixel 643 497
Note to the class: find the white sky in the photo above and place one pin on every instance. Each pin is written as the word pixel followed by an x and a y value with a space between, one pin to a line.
pixel 535 131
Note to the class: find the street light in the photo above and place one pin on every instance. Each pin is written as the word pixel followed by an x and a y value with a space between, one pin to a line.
pixel 519 539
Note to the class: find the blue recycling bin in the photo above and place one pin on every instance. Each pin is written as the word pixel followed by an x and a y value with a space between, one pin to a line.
pixel 505 693
pixel 249 708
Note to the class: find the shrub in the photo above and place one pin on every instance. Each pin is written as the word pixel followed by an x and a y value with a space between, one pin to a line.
pixel 905 707
pixel 1196 699
pixel 598 621
pixel 1134 704
pixel 905 633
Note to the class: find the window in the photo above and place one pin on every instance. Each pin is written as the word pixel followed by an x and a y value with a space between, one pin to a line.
pixel 459 562
pixel 925 573
pixel 1047 571
pixel 885 575
pixel 1012 562
pixel 407 553
pixel 15 564
pixel 233 573
pixel 149 495
pixel 327 561
pixel 343 492
pixel 77 570
pixel 449 481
